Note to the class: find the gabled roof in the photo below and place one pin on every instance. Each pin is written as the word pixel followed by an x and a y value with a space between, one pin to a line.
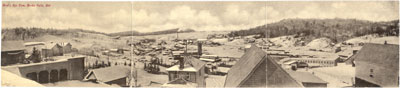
pixel 195 63
pixel 51 45
pixel 109 73
pixel 191 64
pixel 243 68
pixel 247 65
pixel 12 45
pixel 386 56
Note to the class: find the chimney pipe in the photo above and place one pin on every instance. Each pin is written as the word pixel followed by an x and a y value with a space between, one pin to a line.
pixel 181 63
pixel 199 48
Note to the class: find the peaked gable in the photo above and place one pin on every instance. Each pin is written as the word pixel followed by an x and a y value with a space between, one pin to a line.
pixel 250 62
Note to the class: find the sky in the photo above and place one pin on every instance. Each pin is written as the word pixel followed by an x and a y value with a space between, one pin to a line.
pixel 112 17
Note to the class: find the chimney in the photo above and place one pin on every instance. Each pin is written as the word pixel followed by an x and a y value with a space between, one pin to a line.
pixel 199 48
pixel 246 48
pixel 181 63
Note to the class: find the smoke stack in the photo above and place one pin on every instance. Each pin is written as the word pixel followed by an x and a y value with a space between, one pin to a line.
pixel 199 48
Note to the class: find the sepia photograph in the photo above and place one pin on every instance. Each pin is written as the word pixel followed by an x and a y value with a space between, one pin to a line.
pixel 213 44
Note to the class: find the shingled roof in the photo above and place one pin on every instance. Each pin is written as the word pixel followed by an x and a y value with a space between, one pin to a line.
pixel 247 65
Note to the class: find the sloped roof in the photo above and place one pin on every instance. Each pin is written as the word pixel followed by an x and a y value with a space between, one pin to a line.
pixel 386 56
pixel 246 66
pixel 195 63
pixel 9 79
pixel 109 73
pixel 305 77
pixel 191 64
pixel 243 68
pixel 64 43
pixel 12 45
pixel 33 43
pixel 51 45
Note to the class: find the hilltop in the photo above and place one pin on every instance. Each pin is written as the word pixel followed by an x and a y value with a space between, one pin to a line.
pixel 337 30
pixel 136 33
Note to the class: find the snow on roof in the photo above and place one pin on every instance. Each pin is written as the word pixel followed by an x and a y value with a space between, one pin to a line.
pixel 34 43
pixel 9 79
pixel 176 68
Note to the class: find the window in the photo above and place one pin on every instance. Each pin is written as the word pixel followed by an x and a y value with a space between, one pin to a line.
pixel 371 74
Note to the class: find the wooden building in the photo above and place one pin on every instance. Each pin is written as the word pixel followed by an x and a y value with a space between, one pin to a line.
pixel 308 79
pixel 257 69
pixel 189 73
pixel 316 62
pixel 12 52
pixel 377 65
pixel 66 47
pixel 52 49
pixel 110 75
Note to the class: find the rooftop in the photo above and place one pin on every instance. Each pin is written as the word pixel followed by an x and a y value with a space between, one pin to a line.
pixel 305 77
pixel 108 73
pixel 12 45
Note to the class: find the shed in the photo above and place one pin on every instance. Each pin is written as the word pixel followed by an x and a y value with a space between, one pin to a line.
pixel 12 52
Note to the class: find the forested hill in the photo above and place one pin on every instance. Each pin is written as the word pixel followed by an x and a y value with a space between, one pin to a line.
pixel 21 33
pixel 335 29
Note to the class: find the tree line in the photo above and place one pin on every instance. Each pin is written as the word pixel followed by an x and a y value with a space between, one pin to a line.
pixel 335 29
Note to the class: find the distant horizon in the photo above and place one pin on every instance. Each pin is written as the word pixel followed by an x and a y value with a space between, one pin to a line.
pixel 203 30
pixel 112 17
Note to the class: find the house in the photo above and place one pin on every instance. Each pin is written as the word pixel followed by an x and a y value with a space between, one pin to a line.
pixel 257 69
pixel 189 73
pixel 66 47
pixel 307 79
pixel 377 65
pixel 110 75
pixel 52 49
pixel 12 52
